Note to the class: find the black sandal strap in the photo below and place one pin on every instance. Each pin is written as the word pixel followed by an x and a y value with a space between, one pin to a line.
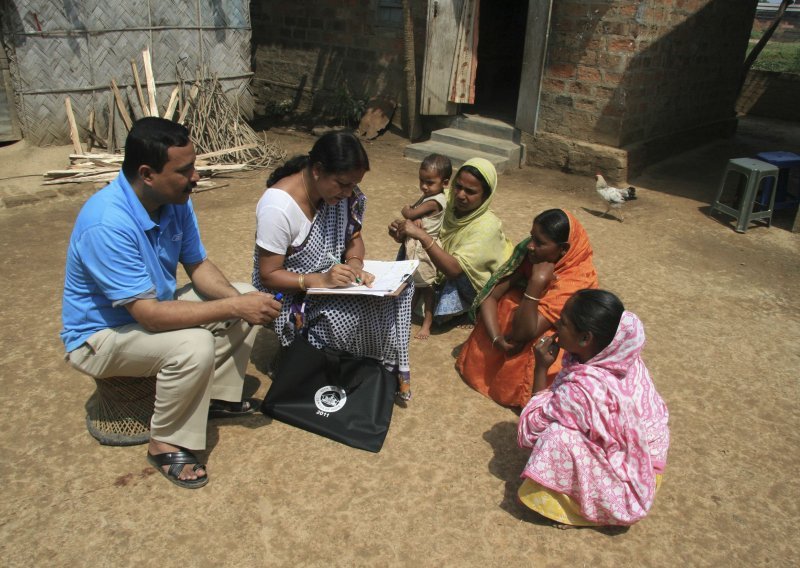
pixel 175 458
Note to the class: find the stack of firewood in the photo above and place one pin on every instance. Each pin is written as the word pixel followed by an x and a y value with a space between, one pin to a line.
pixel 223 140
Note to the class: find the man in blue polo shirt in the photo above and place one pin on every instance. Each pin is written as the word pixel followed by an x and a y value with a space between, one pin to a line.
pixel 123 316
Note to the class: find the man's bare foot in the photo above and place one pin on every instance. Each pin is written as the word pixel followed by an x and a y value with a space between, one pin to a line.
pixel 187 473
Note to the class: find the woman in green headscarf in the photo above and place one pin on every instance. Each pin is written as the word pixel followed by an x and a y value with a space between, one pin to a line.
pixel 471 244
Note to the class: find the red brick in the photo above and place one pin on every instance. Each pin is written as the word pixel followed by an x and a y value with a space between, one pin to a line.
pixel 622 44
pixel 588 74
pixel 562 70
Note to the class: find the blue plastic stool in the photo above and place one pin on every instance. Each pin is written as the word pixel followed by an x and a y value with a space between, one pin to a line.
pixel 785 161
pixel 756 174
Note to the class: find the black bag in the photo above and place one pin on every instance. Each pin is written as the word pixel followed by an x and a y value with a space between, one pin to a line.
pixel 332 393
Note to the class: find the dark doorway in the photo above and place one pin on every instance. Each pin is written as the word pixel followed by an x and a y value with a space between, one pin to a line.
pixel 501 42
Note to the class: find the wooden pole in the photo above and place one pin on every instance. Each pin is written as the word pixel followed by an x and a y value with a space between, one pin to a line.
pixel 151 83
pixel 173 103
pixel 73 127
pixel 110 141
pixel 123 112
pixel 139 94
pixel 91 131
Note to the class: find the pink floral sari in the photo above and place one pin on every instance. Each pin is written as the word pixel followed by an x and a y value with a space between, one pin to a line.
pixel 599 434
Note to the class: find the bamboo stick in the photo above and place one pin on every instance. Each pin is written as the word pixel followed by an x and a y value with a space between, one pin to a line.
pixel 110 141
pixel 188 103
pixel 151 83
pixel 226 151
pixel 90 127
pixel 139 93
pixel 73 128
pixel 123 112
pixel 173 102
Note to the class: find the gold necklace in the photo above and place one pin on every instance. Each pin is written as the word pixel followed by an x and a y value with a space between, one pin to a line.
pixel 308 196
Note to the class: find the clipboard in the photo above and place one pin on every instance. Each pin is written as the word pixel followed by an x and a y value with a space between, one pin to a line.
pixel 391 278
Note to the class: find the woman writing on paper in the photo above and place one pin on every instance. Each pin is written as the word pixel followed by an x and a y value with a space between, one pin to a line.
pixel 471 245
pixel 310 214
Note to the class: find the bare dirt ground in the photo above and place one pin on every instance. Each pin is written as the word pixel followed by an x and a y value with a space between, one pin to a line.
pixel 722 347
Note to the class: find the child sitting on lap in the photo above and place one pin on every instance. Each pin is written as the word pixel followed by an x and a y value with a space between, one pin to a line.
pixel 428 212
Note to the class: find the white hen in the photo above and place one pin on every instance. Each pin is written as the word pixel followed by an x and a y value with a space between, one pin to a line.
pixel 613 196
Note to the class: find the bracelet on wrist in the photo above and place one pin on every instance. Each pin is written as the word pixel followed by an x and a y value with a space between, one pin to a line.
pixel 433 242
pixel 358 258
pixel 496 337
pixel 529 297
pixel 301 282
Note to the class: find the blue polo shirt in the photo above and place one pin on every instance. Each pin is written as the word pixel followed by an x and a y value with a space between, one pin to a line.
pixel 118 253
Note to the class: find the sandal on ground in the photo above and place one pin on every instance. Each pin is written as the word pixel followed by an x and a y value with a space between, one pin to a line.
pixel 225 409
pixel 403 389
pixel 176 461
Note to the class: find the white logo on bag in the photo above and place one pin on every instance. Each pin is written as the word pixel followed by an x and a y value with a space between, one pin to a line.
pixel 330 399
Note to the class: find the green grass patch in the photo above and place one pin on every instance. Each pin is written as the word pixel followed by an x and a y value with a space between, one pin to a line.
pixel 778 57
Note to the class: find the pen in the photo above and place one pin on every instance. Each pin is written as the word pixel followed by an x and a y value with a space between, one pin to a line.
pixel 336 261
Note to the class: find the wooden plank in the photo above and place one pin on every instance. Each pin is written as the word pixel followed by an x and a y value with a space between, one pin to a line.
pixel 173 103
pixel 123 112
pixel 90 127
pixel 533 58
pixel 110 140
pixel 227 151
pixel 142 105
pixel 73 128
pixel 151 83
pixel 440 51
pixel 192 95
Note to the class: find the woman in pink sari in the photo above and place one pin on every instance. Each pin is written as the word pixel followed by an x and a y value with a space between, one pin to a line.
pixel 598 436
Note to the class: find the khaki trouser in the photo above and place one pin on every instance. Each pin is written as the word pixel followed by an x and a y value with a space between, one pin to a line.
pixel 191 366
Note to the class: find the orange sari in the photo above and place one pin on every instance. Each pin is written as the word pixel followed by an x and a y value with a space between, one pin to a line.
pixel 508 379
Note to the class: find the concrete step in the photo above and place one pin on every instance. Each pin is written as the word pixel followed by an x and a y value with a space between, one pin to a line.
pixel 481 142
pixel 487 126
pixel 457 154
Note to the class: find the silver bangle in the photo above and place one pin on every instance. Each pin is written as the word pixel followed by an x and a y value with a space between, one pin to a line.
pixel 533 298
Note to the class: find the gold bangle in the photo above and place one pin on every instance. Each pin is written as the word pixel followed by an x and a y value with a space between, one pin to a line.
pixel 301 282
pixel 349 258
pixel 425 248
pixel 533 298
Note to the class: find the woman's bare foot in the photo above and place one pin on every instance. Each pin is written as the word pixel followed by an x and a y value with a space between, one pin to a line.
pixel 187 473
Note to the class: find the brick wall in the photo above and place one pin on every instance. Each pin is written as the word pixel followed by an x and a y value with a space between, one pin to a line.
pixel 771 94
pixel 314 59
pixel 629 81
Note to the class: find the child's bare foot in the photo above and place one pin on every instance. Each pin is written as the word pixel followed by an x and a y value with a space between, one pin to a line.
pixel 466 326
pixel 423 333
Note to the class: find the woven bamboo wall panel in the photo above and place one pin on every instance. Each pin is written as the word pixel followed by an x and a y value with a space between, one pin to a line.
pixel 49 63
pixel 75 48
pixel 217 14
pixel 111 53
pixel 176 47
pixel 173 13
pixel 46 116
pixel 44 16
pixel 105 15
pixel 229 50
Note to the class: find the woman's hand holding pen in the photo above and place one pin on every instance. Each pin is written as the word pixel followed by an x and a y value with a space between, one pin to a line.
pixel 340 275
